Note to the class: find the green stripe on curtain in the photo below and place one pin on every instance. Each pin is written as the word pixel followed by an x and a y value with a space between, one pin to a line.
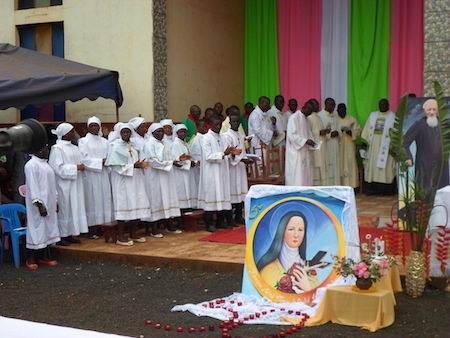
pixel 261 50
pixel 368 64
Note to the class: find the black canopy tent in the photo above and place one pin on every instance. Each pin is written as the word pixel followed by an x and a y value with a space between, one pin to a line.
pixel 32 78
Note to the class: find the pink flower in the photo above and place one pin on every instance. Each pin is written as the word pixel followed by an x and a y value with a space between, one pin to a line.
pixel 363 266
pixel 384 264
pixel 366 274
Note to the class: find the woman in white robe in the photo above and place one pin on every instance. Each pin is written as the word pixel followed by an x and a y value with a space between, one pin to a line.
pixel 159 180
pixel 40 200
pixel 65 161
pixel 129 196
pixel 97 187
pixel 183 173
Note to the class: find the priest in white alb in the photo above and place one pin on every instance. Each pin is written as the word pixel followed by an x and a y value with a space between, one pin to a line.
pixel 351 130
pixel 320 155
pixel 329 120
pixel 379 166
pixel 299 161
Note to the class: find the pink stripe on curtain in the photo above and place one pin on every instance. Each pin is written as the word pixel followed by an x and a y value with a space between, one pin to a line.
pixel 406 50
pixel 299 35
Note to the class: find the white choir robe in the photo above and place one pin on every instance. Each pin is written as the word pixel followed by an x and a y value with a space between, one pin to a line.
pixel 160 182
pixel 261 127
pixel 168 139
pixel 319 155
pixel 195 149
pixel 96 177
pixel 139 141
pixel 41 187
pixel 329 120
pixel 184 176
pixel 127 182
pixel 64 158
pixel 215 173
pixel 347 148
pixel 238 170
pixel 299 160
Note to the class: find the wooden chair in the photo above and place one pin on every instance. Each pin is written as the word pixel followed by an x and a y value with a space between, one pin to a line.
pixel 270 170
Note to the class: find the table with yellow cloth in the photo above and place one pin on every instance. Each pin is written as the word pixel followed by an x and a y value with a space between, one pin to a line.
pixel 371 311
pixel 391 282
pixel 342 305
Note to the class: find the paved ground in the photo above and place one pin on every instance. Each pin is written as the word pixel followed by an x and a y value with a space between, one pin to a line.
pixel 119 299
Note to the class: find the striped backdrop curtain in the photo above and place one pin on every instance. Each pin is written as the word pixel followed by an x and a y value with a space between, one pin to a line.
pixel 355 51
pixel 261 77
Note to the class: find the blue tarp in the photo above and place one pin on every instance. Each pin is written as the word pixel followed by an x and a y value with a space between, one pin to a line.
pixel 32 78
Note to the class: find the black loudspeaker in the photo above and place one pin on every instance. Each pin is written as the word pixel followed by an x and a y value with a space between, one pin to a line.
pixel 28 136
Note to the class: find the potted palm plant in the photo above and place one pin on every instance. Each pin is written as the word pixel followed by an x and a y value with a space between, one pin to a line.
pixel 417 199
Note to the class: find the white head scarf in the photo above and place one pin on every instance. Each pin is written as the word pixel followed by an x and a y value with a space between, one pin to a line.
pixel 123 126
pixel 114 134
pixel 179 127
pixel 136 122
pixel 154 126
pixel 167 122
pixel 95 119
pixel 62 130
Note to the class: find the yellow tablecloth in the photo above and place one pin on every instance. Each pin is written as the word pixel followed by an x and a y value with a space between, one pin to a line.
pixel 391 282
pixel 342 305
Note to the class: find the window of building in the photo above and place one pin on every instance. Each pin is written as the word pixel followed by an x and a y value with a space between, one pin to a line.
pixel 45 38
pixel 27 4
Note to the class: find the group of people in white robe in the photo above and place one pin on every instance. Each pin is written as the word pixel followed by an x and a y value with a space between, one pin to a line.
pixel 138 174
pixel 152 175
pixel 320 148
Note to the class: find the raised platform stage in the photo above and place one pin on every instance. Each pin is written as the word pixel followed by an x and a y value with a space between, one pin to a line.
pixel 186 251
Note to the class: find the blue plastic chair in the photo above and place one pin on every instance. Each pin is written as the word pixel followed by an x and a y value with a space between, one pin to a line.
pixel 12 227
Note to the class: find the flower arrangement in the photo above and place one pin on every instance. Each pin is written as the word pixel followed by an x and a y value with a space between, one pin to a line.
pixel 372 266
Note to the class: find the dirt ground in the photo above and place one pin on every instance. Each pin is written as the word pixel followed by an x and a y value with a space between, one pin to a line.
pixel 118 299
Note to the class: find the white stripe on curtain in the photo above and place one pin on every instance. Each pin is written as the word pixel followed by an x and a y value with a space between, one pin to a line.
pixel 334 49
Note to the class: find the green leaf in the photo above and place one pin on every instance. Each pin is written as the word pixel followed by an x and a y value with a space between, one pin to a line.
pixel 396 134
